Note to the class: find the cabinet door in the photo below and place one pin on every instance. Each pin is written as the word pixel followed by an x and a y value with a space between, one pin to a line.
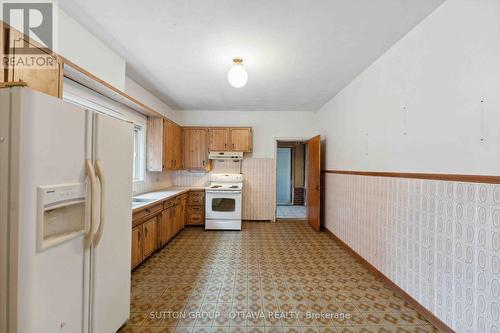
pixel 195 148
pixel 241 139
pixel 155 144
pixel 166 226
pixel 218 139
pixel 46 78
pixel 150 237
pixel 183 211
pixel 178 218
pixel 177 150
pixel 136 246
pixel 168 145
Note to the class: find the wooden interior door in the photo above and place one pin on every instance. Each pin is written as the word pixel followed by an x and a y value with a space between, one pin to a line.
pixel 313 182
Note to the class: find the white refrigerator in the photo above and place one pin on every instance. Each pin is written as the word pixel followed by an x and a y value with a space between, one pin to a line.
pixel 65 228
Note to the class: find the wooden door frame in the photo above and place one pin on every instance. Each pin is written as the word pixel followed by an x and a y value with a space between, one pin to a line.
pixel 275 154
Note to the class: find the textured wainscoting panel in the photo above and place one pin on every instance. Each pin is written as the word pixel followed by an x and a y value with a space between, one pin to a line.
pixel 438 240
pixel 259 202
pixel 258 184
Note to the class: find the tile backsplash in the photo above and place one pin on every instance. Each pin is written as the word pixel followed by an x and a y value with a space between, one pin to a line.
pixel 153 181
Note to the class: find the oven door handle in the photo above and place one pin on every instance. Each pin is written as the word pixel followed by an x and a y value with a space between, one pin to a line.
pixel 228 192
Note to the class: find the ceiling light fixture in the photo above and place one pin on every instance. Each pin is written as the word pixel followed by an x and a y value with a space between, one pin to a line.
pixel 237 75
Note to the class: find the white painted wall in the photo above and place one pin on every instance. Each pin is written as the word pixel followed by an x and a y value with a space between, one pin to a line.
pixel 84 49
pixel 135 90
pixel 267 125
pixel 440 71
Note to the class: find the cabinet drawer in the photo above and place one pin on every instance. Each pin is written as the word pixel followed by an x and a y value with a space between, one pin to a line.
pixel 196 194
pixel 196 219
pixel 144 213
pixel 196 210
pixel 169 203
pixel 196 201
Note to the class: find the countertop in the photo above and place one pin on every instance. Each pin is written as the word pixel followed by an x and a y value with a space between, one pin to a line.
pixel 159 196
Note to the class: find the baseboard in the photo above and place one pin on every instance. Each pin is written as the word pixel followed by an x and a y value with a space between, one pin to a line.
pixel 438 323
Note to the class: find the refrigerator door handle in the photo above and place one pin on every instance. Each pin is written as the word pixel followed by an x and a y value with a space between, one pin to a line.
pixel 93 203
pixel 102 179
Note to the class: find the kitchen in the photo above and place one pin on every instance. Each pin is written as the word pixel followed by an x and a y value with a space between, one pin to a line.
pixel 141 177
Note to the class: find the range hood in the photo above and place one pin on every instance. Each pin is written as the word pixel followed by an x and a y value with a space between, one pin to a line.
pixel 226 155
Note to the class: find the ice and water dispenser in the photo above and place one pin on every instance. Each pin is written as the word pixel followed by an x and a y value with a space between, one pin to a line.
pixel 61 213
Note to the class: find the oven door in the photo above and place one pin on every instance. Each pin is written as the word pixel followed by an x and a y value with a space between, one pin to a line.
pixel 223 205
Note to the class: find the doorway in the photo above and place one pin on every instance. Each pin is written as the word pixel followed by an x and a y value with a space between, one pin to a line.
pixel 290 180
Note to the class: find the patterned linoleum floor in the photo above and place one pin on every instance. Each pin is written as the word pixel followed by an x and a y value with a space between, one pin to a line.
pixel 269 278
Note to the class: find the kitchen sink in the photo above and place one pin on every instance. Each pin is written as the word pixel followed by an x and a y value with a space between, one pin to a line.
pixel 141 200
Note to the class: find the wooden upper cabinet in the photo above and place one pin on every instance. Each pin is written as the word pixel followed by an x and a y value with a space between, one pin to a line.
pixel 164 142
pixel 219 139
pixel 46 78
pixel 177 151
pixel 196 148
pixel 241 139
pixel 154 138
pixel 230 139
pixel 172 147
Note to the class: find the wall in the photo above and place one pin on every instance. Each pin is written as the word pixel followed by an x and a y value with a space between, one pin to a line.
pixel 267 125
pixel 258 168
pixel 440 72
pixel 153 180
pixel 81 47
pixel 135 90
pixel 418 109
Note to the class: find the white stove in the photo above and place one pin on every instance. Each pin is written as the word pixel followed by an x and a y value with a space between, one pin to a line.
pixel 223 202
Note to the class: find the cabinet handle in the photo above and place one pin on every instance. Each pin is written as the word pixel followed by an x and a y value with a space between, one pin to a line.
pixel 203 162
pixel 139 236
pixel 233 145
pixel 145 232
pixel 148 211
pixel 225 145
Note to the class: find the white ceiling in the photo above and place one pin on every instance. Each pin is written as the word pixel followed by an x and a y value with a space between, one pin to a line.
pixel 298 53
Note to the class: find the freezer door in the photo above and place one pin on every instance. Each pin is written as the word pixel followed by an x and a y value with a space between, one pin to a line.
pixel 52 145
pixel 111 251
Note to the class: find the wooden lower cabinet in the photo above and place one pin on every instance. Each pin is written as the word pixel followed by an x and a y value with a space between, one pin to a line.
pixel 156 226
pixel 195 209
pixel 150 241
pixel 136 246
pixel 166 225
